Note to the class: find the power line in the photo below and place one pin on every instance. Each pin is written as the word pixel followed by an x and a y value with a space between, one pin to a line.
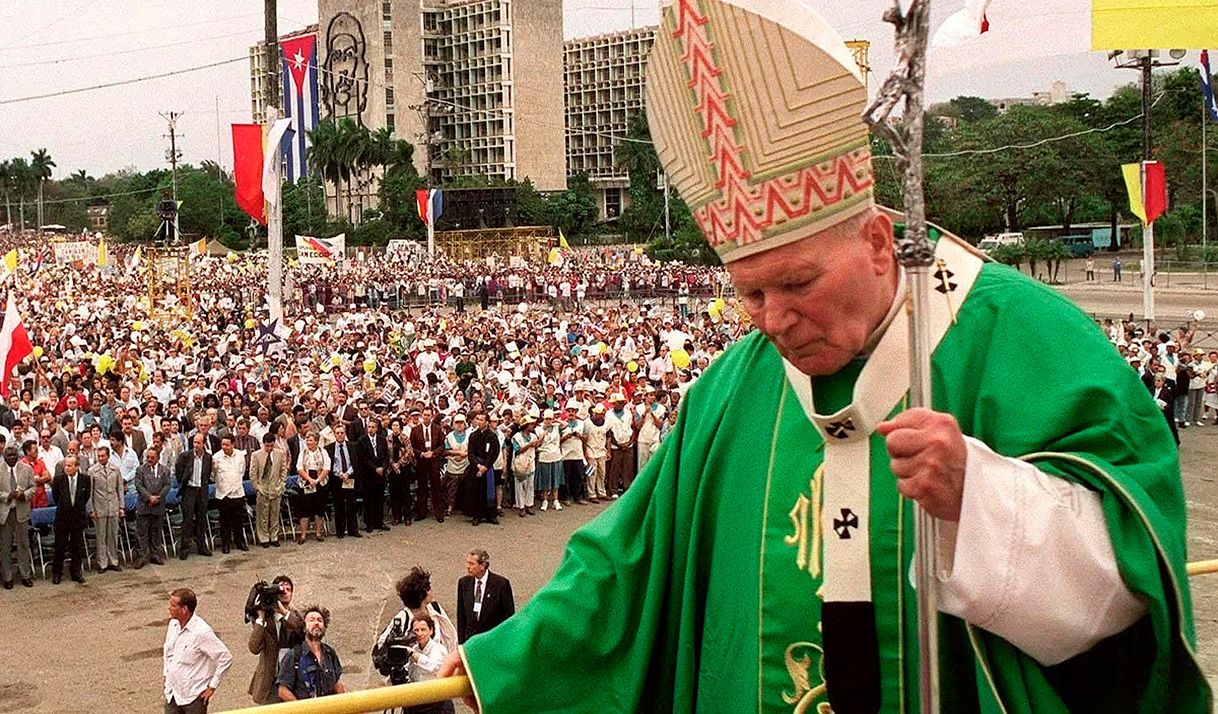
pixel 78 40
pixel 103 195
pixel 1032 145
pixel 122 82
pixel 123 52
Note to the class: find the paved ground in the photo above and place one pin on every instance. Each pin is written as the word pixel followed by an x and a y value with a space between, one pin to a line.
pixel 80 648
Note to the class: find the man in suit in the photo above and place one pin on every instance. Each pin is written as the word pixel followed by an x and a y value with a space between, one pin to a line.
pixel 72 489
pixel 272 632
pixel 374 465
pixel 344 459
pixel 192 472
pixel 483 451
pixel 357 426
pixel 152 481
pixel 16 490
pixel 269 476
pixel 134 438
pixel 484 599
pixel 427 440
pixel 106 508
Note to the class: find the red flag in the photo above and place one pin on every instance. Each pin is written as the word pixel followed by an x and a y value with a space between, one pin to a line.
pixel 247 170
pixel 1155 194
pixel 14 343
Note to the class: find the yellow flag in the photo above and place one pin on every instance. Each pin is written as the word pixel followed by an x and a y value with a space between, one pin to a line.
pixel 554 258
pixel 1133 183
pixel 199 247
pixel 562 240
pixel 1184 24
pixel 103 256
pixel 10 260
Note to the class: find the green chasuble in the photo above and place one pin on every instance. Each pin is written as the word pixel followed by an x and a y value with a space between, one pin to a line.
pixel 700 590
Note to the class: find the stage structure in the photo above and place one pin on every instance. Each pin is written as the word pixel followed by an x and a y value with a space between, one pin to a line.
pixel 528 242
pixel 169 289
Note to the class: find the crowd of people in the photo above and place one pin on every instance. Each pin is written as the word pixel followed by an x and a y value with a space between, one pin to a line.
pixel 294 661
pixel 353 414
pixel 1182 377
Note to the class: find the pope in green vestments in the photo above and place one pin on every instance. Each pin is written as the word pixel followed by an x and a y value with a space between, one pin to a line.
pixel 707 586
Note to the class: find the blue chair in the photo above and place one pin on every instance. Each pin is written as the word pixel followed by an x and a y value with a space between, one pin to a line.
pixel 42 521
pixel 126 533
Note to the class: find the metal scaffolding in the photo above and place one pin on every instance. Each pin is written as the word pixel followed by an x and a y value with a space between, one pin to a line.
pixel 527 242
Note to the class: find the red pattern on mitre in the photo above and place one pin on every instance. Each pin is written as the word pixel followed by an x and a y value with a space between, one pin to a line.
pixel 755 107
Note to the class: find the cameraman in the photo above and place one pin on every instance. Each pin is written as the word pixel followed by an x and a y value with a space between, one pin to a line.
pixel 274 629
pixel 426 656
pixel 414 590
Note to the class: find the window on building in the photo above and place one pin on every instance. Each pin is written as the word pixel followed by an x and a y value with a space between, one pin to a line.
pixel 613 202
pixel 389 122
pixel 388 42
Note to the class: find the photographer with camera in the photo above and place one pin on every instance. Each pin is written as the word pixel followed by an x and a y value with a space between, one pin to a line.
pixel 426 656
pixel 392 654
pixel 311 669
pixel 276 626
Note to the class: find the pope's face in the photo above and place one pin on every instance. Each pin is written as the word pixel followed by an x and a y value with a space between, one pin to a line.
pixel 819 299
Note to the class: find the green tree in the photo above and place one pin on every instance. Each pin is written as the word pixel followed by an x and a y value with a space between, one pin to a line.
pixel 41 164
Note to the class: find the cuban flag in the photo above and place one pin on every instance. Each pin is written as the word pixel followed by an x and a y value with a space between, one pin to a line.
pixel 431 204
pixel 1207 85
pixel 299 101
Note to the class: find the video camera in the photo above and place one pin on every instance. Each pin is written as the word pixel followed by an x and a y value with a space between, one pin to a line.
pixel 392 657
pixel 263 598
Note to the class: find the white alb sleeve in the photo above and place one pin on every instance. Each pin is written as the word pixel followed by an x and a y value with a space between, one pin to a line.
pixel 1030 560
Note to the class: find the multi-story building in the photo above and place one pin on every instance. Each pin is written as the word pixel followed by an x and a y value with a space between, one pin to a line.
pixel 476 85
pixel 259 78
pixel 604 80
pixel 1058 93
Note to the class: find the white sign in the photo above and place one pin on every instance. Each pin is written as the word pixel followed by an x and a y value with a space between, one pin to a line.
pixel 321 251
pixel 404 248
pixel 71 251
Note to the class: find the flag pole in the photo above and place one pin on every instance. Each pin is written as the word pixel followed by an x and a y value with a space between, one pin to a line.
pixel 274 226
pixel 906 85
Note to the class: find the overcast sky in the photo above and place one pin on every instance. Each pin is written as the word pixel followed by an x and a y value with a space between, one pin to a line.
pixel 48 47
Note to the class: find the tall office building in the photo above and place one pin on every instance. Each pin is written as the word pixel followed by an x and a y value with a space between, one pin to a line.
pixel 603 78
pixel 475 85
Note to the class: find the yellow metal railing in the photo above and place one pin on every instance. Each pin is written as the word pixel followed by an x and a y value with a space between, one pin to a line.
pixel 373 700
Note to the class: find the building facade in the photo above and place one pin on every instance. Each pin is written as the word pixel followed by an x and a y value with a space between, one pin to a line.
pixel 603 82
pixel 475 85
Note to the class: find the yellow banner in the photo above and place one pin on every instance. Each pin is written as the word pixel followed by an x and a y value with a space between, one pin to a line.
pixel 1133 184
pixel 1153 24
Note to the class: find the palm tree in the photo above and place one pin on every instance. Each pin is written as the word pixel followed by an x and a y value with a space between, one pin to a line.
pixel 353 144
pixel 41 163
pixel 6 185
pixel 323 154
pixel 21 180
pixel 81 177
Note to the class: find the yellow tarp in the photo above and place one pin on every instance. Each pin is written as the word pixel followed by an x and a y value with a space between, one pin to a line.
pixel 1153 24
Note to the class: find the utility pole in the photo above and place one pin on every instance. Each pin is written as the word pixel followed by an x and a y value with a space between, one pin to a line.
pixel 173 155
pixel 1145 61
pixel 270 12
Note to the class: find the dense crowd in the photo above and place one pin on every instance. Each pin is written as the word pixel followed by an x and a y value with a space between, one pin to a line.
pixel 1182 377
pixel 360 410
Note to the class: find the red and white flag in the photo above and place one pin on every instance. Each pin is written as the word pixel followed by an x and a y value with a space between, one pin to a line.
pixel 963 25
pixel 14 343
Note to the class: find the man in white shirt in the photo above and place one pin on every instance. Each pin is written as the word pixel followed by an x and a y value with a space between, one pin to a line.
pixel 194 660
pixel 228 470
pixel 596 449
